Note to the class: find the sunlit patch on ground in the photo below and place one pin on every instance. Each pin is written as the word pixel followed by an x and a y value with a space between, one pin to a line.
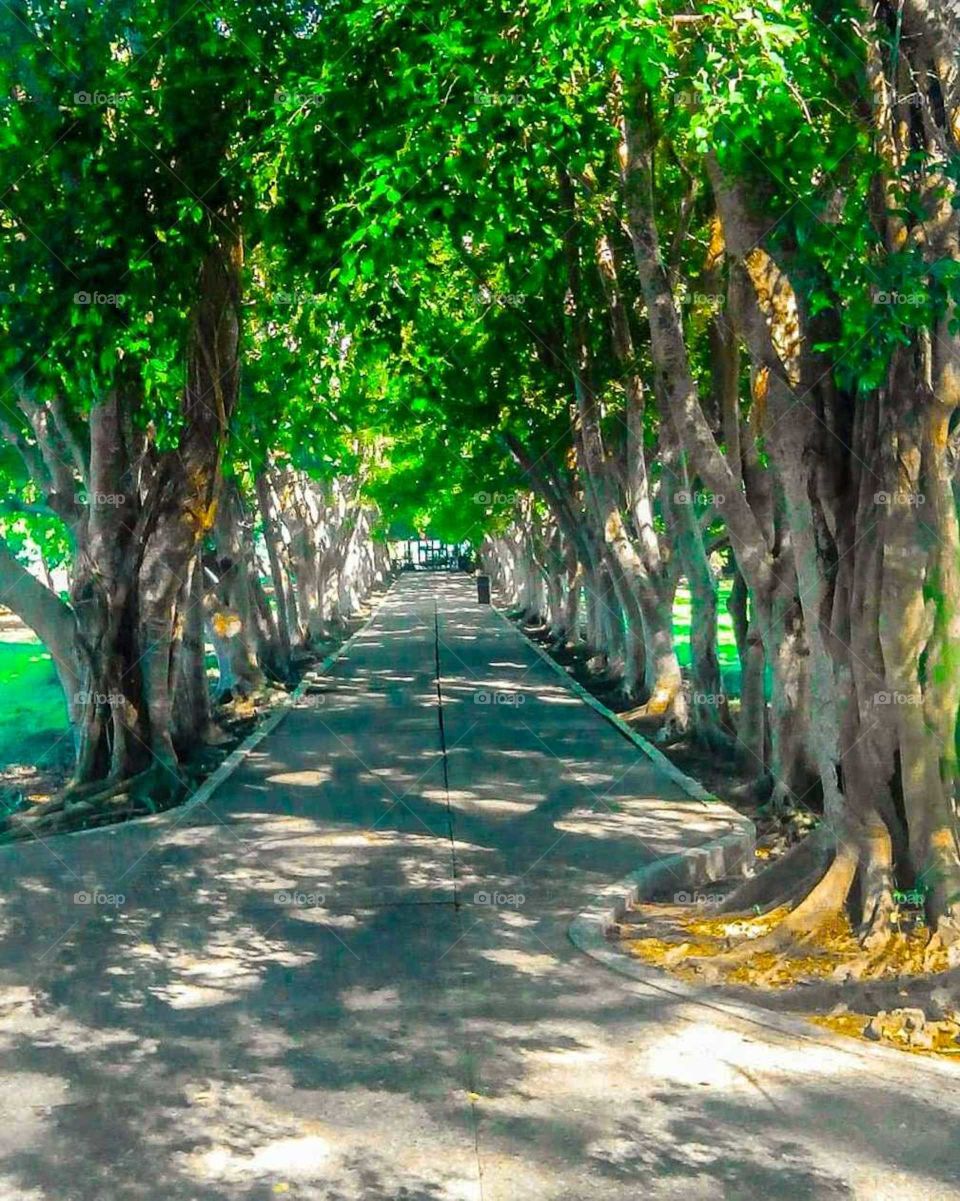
pixel 302 779
pixel 522 961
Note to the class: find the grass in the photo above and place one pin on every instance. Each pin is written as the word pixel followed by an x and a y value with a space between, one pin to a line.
pixel 726 642
pixel 33 712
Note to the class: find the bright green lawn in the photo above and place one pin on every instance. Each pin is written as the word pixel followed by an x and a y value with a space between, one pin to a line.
pixel 33 713
pixel 727 644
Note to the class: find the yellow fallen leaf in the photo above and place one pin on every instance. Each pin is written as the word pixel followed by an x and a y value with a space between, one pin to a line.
pixel 226 624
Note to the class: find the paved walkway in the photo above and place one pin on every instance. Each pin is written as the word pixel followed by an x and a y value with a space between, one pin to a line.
pixel 348 976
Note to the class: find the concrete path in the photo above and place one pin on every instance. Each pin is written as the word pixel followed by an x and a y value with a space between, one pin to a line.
pixel 348 976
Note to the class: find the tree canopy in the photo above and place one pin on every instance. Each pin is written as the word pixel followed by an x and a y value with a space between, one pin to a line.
pixel 622 295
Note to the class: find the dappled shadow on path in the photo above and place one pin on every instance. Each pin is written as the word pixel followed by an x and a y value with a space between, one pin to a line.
pixel 344 979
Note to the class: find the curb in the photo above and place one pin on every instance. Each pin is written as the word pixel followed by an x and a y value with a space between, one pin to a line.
pixel 689 785
pixel 236 756
pixel 693 868
pixel 269 723
pixel 697 866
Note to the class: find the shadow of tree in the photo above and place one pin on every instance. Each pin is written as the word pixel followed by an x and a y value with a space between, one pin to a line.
pixel 300 992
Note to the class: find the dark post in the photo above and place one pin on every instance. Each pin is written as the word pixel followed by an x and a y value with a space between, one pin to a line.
pixel 483 590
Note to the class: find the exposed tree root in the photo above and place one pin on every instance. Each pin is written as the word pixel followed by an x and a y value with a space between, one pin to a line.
pixel 807 932
pixel 820 907
pixel 96 793
pixel 878 907
pixel 668 706
pixel 877 962
pixel 938 945
pixel 659 705
pixel 81 806
pixel 716 740
pixel 786 881
pixel 948 931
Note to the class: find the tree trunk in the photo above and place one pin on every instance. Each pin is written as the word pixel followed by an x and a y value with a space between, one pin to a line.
pixel 230 604
pixel 271 538
pixel 193 723
pixel 752 737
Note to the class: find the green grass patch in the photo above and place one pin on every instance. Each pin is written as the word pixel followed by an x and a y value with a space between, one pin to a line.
pixel 726 642
pixel 33 711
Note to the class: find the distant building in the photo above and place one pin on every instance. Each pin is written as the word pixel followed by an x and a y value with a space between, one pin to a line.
pixel 430 554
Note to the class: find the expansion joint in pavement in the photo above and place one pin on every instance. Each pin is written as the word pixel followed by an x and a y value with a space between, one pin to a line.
pixel 443 756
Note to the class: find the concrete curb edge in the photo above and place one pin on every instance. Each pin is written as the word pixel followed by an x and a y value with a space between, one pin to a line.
pixel 692 868
pixel 272 720
pixel 689 785
pixel 236 757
